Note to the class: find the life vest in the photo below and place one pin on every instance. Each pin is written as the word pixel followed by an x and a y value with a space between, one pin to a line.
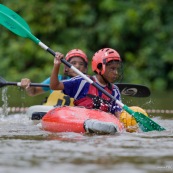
pixel 58 98
pixel 94 101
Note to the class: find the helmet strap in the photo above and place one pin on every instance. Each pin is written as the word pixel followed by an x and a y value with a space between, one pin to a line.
pixel 107 82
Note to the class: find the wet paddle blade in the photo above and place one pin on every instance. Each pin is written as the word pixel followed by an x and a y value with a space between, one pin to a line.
pixel 145 123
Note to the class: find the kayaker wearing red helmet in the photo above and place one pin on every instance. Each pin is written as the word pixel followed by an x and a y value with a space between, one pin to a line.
pixel 76 57
pixel 106 64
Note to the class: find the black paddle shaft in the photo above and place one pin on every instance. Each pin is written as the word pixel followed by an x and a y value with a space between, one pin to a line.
pixel 132 90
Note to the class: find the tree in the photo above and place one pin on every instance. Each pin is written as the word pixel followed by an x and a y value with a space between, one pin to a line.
pixel 141 31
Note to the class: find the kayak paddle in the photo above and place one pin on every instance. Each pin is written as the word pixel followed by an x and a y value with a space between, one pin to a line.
pixel 17 25
pixel 5 83
pixel 133 90
pixel 125 89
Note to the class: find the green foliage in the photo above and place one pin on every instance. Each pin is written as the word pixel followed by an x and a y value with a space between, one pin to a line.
pixel 141 31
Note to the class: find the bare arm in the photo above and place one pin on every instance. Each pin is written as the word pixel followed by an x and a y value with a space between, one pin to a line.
pixel 55 84
pixel 31 91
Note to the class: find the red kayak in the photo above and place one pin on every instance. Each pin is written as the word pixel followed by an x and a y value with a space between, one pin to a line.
pixel 80 120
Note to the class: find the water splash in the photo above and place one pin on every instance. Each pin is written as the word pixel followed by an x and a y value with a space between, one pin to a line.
pixel 4 111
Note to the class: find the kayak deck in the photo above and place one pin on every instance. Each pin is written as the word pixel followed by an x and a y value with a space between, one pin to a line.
pixel 72 119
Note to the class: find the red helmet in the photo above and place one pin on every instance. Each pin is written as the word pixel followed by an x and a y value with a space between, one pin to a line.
pixel 76 52
pixel 102 57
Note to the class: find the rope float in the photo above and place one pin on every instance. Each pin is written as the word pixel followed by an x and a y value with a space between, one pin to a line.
pixel 24 109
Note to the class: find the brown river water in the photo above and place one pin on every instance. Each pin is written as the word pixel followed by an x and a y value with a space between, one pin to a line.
pixel 26 148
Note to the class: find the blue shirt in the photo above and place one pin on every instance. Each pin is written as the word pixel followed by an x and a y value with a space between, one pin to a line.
pixel 77 88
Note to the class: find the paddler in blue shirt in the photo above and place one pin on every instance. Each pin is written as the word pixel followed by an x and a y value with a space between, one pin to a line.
pixel 79 60
pixel 106 63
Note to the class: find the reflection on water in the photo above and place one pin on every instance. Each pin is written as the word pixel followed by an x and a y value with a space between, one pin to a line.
pixel 27 148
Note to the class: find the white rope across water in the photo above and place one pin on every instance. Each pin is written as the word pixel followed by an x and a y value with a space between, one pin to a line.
pixel 159 111
pixel 24 109
pixel 14 109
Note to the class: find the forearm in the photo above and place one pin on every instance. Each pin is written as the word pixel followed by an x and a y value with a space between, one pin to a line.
pixel 55 84
pixel 33 91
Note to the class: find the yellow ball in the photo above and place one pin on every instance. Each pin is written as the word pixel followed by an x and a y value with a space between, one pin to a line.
pixel 128 121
